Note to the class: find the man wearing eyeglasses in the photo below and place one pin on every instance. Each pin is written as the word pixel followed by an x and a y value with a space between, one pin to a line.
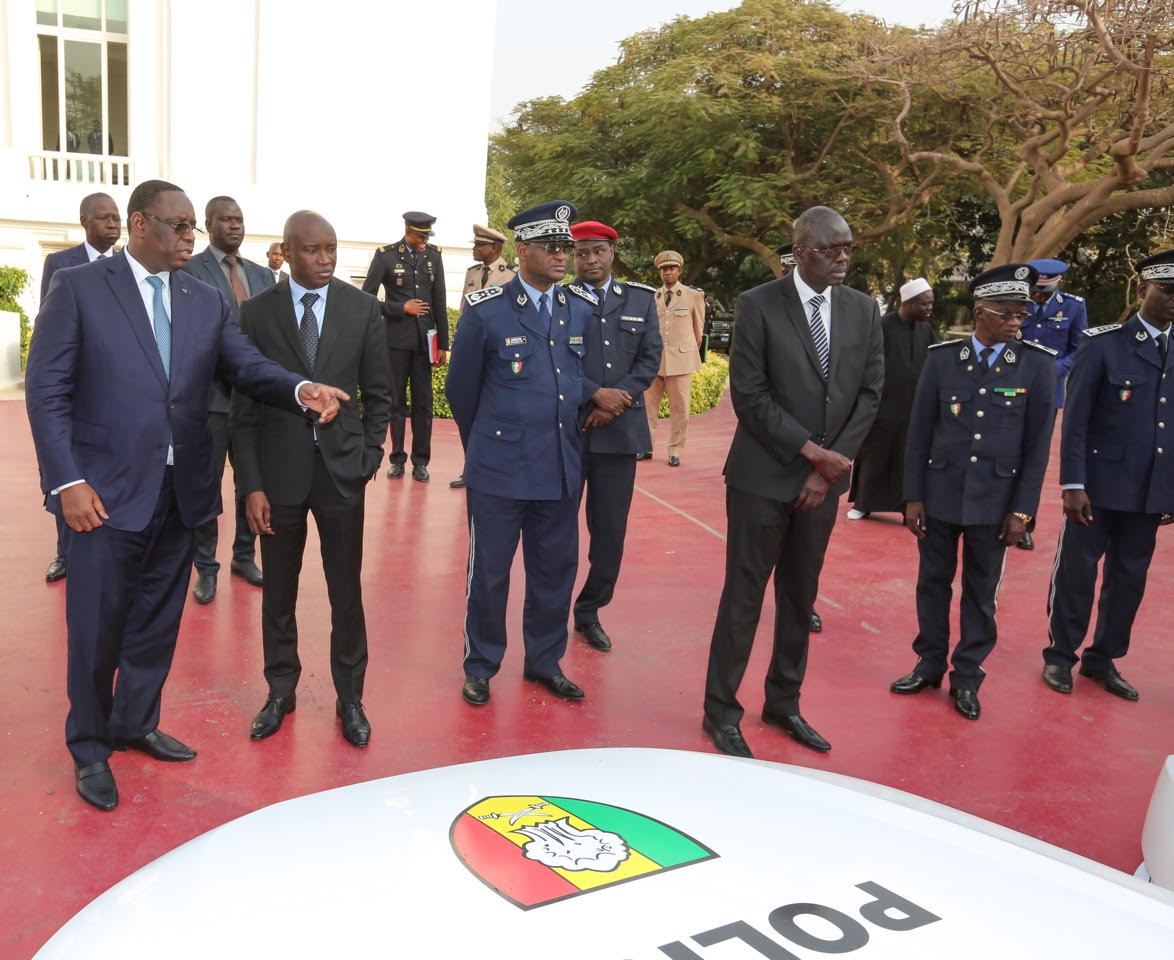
pixel 806 368
pixel 515 387
pixel 979 439
pixel 102 224
pixel 1117 474
pixel 122 357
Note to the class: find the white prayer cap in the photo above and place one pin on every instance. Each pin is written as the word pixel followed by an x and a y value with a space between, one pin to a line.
pixel 914 288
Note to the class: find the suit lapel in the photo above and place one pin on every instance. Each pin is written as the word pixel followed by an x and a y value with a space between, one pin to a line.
pixel 288 322
pixel 614 302
pixel 331 322
pixel 215 273
pixel 838 322
pixel 527 311
pixel 181 323
pixel 793 309
pixel 122 285
pixel 1144 347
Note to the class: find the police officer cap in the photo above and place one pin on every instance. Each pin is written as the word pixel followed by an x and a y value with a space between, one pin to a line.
pixel 594 230
pixel 420 222
pixel 1049 270
pixel 668 258
pixel 786 253
pixel 484 234
pixel 1158 267
pixel 1010 281
pixel 547 221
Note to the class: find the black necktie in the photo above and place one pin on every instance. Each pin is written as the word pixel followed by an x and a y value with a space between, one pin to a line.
pixel 544 313
pixel 600 295
pixel 985 358
pixel 1163 338
pixel 309 329
pixel 484 276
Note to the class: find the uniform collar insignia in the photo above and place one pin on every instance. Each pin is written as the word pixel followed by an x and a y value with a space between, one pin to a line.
pixel 617 289
pixel 522 300
pixel 1141 336
pixel 1009 355
pixel 561 298
pixel 964 354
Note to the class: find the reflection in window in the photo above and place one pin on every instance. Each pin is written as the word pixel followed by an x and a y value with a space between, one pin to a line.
pixel 83 97
pixel 116 98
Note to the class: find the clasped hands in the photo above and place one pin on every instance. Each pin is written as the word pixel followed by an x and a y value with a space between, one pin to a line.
pixel 609 402
pixel 827 467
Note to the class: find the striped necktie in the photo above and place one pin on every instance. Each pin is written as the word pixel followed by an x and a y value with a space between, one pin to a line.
pixel 162 324
pixel 818 333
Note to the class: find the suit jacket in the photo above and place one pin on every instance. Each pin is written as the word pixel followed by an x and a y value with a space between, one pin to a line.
pixel 623 351
pixel 1117 434
pixel 1058 323
pixel 979 440
pixel 515 391
pixel 274 448
pixel 394 268
pixel 779 392
pixel 73 257
pixel 682 324
pixel 204 266
pixel 101 406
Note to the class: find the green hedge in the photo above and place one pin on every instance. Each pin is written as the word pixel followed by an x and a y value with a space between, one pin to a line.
pixel 13 281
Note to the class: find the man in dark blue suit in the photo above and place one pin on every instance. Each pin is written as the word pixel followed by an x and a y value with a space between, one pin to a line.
pixel 222 266
pixel 1117 473
pixel 623 356
pixel 515 386
pixel 122 356
pixel 103 226
pixel 980 434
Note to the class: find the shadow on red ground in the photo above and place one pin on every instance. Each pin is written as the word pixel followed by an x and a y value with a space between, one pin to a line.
pixel 1075 771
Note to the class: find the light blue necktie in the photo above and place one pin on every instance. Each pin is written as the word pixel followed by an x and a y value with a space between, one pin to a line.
pixel 162 324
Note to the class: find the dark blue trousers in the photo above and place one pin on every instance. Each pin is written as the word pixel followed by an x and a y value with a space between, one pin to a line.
pixel 1126 540
pixel 549 530
pixel 608 479
pixel 123 601
pixel 63 533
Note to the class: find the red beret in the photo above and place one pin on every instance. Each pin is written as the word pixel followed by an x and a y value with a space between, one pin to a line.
pixel 593 230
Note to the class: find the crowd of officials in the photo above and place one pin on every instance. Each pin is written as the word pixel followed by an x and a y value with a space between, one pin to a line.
pixel 151 366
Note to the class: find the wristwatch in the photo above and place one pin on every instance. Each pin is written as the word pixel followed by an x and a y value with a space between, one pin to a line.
pixel 1022 516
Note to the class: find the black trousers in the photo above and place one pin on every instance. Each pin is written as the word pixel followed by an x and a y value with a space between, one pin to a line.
pixel 123 601
pixel 1126 540
pixel 207 534
pixel 983 557
pixel 608 479
pixel 411 366
pixel 765 536
pixel 340 530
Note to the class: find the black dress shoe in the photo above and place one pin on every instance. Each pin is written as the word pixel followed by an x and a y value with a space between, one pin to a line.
pixel 268 721
pixel 355 727
pixel 1058 678
pixel 56 571
pixel 966 703
pixel 420 473
pixel 395 471
pixel 912 683
pixel 815 625
pixel 797 729
pixel 476 690
pixel 159 746
pixel 674 461
pixel 593 633
pixel 1111 680
pixel 248 571
pixel 457 483
pixel 95 784
pixel 727 738
pixel 1025 542
pixel 647 455
pixel 205 588
pixel 559 685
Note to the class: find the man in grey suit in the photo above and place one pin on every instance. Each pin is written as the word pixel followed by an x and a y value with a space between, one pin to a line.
pixel 806 371
pixel 222 266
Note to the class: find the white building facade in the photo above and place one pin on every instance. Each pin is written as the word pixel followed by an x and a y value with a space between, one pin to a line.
pixel 359 110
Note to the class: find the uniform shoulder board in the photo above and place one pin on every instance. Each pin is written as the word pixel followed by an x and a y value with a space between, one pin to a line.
pixel 1071 296
pixel 944 343
pixel 641 286
pixel 431 246
pixel 1097 331
pixel 580 292
pixel 477 296
pixel 1032 345
pixel 379 249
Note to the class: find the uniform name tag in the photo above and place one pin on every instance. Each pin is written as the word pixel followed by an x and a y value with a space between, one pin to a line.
pixel 514 341
pixel 633 319
pixel 575 341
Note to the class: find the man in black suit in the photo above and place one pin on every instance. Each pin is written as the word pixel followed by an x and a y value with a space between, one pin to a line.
pixel 621 360
pixel 806 369
pixel 100 220
pixel 313 322
pixel 122 355
pixel 412 276
pixel 222 266
pixel 275 258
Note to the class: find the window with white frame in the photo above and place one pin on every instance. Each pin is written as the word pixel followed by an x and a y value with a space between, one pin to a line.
pixel 83 47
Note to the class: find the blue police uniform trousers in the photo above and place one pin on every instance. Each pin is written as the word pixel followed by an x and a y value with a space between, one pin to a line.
pixel 1126 539
pixel 549 530
pixel 983 557
pixel 608 479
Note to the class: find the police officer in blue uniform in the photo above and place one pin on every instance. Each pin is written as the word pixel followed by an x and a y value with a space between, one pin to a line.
pixel 412 276
pixel 623 355
pixel 979 439
pixel 1057 320
pixel 1117 473
pixel 515 387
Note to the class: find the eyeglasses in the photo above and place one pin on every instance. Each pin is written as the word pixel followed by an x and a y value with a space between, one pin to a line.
pixel 833 252
pixel 1166 288
pixel 180 228
pixel 554 247
pixel 1019 315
